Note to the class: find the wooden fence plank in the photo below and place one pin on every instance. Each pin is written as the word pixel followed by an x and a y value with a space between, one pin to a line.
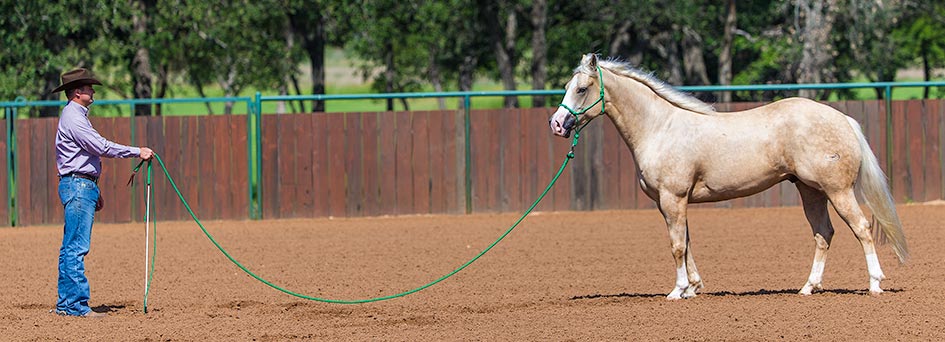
pixel 915 138
pixel 387 164
pixel 453 174
pixel 509 158
pixel 336 164
pixel 354 161
pixel 190 159
pixel 4 176
pixel 931 157
pixel 24 166
pixel 320 178
pixel 899 175
pixel 40 170
pixel 437 161
pixel 371 169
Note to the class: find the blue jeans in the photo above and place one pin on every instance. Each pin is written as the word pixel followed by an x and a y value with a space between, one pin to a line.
pixel 78 198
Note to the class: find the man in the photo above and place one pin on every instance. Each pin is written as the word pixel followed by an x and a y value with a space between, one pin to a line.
pixel 79 149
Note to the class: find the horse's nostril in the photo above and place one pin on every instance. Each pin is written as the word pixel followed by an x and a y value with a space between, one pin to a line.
pixel 569 122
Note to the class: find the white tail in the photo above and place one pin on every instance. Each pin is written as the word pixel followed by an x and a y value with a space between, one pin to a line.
pixel 874 190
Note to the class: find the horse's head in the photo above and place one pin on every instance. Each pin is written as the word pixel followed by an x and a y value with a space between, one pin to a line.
pixel 584 94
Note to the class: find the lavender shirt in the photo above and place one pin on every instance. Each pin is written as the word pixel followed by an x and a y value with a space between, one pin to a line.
pixel 79 146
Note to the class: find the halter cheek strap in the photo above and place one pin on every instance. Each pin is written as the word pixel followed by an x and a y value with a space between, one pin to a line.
pixel 600 99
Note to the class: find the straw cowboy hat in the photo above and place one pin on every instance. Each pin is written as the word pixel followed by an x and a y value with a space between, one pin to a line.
pixel 76 78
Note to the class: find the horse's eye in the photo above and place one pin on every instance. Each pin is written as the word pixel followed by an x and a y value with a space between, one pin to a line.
pixel 582 90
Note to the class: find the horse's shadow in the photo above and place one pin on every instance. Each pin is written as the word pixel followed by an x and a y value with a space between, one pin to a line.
pixel 761 292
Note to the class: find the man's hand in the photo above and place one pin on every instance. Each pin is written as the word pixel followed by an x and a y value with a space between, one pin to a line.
pixel 100 203
pixel 146 153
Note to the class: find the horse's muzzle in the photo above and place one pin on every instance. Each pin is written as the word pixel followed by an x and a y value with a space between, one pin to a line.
pixel 569 123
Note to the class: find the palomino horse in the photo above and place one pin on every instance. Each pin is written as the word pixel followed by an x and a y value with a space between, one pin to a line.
pixel 686 152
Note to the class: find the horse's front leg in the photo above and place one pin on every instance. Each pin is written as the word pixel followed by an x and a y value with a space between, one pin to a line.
pixel 673 208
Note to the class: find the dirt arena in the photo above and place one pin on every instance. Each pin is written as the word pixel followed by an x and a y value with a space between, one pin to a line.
pixel 559 276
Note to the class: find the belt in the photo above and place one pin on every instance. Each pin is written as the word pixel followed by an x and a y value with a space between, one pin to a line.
pixel 81 175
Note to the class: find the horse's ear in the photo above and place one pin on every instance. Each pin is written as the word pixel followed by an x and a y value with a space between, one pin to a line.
pixel 589 60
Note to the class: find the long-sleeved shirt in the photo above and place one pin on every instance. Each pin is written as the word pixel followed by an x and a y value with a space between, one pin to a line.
pixel 79 147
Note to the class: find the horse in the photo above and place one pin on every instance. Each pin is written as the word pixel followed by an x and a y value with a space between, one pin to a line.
pixel 686 152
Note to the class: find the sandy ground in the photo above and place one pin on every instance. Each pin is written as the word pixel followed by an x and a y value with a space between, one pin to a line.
pixel 559 276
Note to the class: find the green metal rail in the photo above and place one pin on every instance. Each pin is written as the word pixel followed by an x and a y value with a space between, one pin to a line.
pixel 254 121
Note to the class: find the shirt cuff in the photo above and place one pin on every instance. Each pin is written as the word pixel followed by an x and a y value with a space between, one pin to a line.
pixel 136 151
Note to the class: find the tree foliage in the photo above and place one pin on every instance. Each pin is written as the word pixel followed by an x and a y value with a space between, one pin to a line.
pixel 144 47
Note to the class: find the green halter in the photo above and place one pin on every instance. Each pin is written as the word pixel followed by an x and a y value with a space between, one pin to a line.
pixel 600 99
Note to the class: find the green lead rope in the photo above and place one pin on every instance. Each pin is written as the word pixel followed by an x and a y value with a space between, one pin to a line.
pixel 570 156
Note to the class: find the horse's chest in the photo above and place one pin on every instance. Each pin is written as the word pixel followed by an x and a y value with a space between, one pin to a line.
pixel 649 186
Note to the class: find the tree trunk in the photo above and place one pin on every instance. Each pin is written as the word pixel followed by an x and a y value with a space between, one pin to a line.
pixel 817 17
pixel 503 37
pixel 162 83
pixel 200 91
pixel 725 56
pixel 141 61
pixel 298 91
pixel 693 60
pixel 389 73
pixel 926 69
pixel 435 77
pixel 466 76
pixel 667 48
pixel 539 66
pixel 312 33
pixel 52 80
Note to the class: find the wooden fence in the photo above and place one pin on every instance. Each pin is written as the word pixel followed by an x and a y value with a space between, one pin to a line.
pixel 368 164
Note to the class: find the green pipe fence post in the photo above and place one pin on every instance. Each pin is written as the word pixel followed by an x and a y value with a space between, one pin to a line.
pixel 466 143
pixel 889 134
pixel 9 117
pixel 134 187
pixel 250 107
pixel 14 113
pixel 258 144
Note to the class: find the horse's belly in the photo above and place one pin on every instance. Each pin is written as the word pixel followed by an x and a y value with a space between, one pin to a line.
pixel 721 190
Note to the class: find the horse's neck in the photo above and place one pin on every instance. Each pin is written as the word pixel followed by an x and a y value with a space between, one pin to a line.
pixel 638 112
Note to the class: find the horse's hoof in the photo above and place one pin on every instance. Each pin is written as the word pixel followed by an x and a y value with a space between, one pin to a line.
pixel 675 295
pixel 809 289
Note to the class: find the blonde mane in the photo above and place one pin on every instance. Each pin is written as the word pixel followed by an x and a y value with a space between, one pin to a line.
pixel 664 90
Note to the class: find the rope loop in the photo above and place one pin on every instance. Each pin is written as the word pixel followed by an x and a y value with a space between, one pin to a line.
pixel 345 301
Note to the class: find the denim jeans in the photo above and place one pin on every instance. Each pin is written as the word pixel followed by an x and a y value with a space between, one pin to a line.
pixel 78 196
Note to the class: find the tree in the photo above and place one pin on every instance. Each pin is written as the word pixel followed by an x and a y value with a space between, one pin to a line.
pixel 725 53
pixel 245 48
pixel 924 38
pixel 539 67
pixel 41 40
pixel 815 20
pixel 316 24
pixel 866 27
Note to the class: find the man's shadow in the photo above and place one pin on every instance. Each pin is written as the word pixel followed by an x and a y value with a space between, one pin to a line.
pixel 107 308
pixel 761 292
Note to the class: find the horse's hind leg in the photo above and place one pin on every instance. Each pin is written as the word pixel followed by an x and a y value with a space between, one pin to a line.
pixel 845 203
pixel 695 280
pixel 815 208
pixel 673 208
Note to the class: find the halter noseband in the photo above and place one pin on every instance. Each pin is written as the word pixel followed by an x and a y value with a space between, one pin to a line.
pixel 600 79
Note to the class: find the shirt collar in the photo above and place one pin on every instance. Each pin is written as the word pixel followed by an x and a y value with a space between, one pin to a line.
pixel 82 109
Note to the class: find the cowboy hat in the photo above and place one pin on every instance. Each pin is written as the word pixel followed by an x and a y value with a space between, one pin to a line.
pixel 76 78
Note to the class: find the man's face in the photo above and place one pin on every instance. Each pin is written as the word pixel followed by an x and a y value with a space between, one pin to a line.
pixel 84 95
